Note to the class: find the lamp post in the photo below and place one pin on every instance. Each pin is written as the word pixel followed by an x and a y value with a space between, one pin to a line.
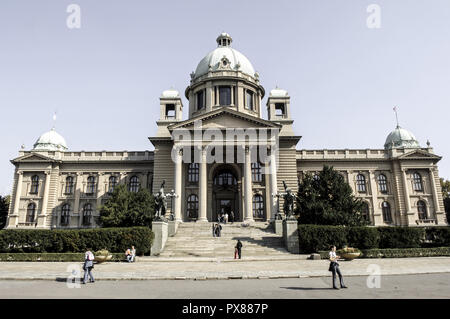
pixel 172 195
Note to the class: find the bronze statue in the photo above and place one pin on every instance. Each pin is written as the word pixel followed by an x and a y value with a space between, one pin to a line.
pixel 289 198
pixel 160 203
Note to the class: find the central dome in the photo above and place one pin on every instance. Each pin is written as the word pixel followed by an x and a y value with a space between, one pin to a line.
pixel 224 54
pixel 401 138
pixel 50 141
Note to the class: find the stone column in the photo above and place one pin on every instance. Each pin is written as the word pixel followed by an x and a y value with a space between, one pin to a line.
pixel 14 221
pixel 273 184
pixel 248 187
pixel 203 185
pixel 408 213
pixel 377 218
pixel 437 213
pixel 43 215
pixel 178 184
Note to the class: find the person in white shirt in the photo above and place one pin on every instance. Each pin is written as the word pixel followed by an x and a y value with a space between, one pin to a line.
pixel 334 268
pixel 88 265
pixel 226 218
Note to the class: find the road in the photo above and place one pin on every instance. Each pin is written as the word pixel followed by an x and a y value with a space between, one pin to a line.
pixel 391 286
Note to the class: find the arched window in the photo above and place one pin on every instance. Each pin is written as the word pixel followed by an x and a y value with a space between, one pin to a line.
pixel 387 216
pixel 65 215
pixel 258 207
pixel 134 184
pixel 365 211
pixel 193 171
pixel 256 172
pixel 382 183
pixel 34 184
pixel 225 178
pixel 422 210
pixel 192 206
pixel 112 184
pixel 31 213
pixel 69 185
pixel 417 182
pixel 87 213
pixel 90 189
pixel 361 183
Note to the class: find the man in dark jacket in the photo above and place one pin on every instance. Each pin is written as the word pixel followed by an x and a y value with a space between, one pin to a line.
pixel 239 247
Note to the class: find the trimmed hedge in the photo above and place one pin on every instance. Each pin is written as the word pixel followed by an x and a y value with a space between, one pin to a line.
pixel 313 238
pixel 399 252
pixel 52 257
pixel 75 241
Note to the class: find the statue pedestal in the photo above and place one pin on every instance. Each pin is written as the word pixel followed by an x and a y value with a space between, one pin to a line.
pixel 290 235
pixel 278 226
pixel 160 229
pixel 172 227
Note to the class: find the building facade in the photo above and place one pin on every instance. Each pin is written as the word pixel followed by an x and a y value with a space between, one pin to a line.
pixel 55 187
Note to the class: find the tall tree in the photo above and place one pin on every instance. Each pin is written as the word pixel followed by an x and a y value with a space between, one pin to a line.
pixel 126 209
pixel 4 207
pixel 328 200
pixel 445 185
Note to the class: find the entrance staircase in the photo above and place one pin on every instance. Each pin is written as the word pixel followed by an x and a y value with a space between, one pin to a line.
pixel 196 240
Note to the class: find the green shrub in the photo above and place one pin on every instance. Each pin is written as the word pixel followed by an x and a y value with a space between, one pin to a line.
pixel 363 237
pixel 401 237
pixel 439 236
pixel 398 252
pixel 313 238
pixel 75 241
pixel 51 257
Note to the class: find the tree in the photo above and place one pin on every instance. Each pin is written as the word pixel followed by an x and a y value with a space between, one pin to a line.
pixel 328 200
pixel 4 207
pixel 445 185
pixel 127 209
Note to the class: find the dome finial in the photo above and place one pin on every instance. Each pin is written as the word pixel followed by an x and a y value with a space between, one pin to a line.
pixel 396 115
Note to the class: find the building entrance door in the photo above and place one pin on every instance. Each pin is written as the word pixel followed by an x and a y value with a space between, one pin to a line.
pixel 225 206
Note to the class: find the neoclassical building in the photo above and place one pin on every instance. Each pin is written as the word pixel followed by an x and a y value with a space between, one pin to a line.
pixel 55 187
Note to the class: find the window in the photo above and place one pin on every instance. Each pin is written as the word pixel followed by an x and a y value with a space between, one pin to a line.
pixel 225 178
pixel 192 206
pixel 90 189
pixel 193 171
pixel 249 99
pixel 422 210
pixel 200 100
pixel 361 183
pixel 387 216
pixel 65 215
pixel 170 111
pixel 134 184
pixel 417 182
pixel 382 183
pixel 279 110
pixel 34 184
pixel 256 172
pixel 112 184
pixel 224 95
pixel 69 185
pixel 258 207
pixel 365 212
pixel 31 213
pixel 87 213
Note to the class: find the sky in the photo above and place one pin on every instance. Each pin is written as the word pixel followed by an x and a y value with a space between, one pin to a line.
pixel 105 78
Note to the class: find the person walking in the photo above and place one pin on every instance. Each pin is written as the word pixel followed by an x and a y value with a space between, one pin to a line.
pixel 214 229
pixel 238 247
pixel 88 266
pixel 218 230
pixel 232 217
pixel 226 218
pixel 334 268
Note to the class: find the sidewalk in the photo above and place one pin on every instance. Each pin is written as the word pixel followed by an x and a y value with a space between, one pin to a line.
pixel 189 269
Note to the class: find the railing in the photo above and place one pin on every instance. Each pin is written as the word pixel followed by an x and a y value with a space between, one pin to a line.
pixel 426 221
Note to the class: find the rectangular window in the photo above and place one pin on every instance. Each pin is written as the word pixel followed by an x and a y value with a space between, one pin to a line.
pixel 249 100
pixel 200 100
pixel 279 110
pixel 224 95
pixel 170 111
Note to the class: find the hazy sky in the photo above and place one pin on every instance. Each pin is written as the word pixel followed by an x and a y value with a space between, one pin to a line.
pixel 104 79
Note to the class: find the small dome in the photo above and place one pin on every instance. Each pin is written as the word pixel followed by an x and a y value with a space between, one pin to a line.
pixel 170 94
pixel 277 92
pixel 224 55
pixel 401 138
pixel 50 141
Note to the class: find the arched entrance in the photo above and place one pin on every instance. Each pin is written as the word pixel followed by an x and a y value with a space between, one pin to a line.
pixel 225 193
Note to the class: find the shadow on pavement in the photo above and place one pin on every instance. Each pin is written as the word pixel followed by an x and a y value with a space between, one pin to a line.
pixel 306 288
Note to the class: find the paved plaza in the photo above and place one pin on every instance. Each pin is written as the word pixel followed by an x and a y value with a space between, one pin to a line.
pixel 393 286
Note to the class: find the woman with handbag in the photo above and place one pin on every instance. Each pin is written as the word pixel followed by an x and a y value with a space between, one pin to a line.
pixel 88 266
pixel 334 268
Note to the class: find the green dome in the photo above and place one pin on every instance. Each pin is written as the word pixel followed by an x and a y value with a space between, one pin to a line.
pixel 401 138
